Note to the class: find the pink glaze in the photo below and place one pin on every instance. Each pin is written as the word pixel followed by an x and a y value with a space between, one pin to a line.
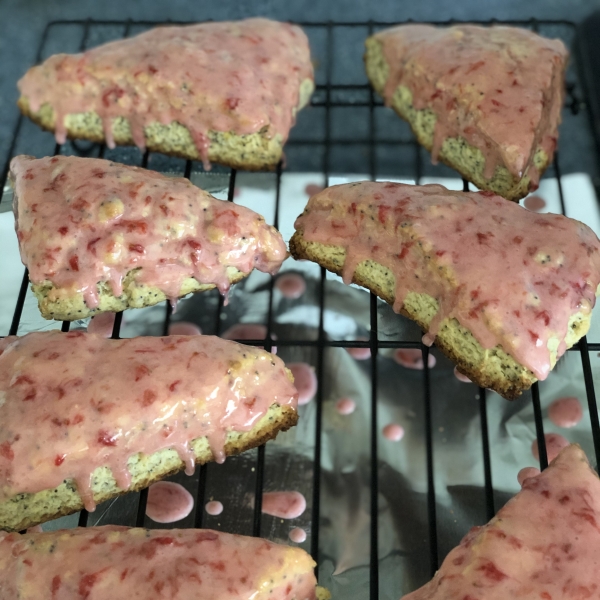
pixel 214 508
pixel 102 324
pixel 526 473
pixel 412 358
pixel 184 328
pixel 285 505
pixel 94 402
pixel 35 529
pixel 360 353
pixel 291 285
pixel 498 88
pixel 180 564
pixel 544 543
pixel 305 381
pixel 239 77
pixel 249 331
pixel 297 535
pixel 534 203
pixel 460 376
pixel 345 406
pixel 168 502
pixel 554 444
pixel 82 221
pixel 512 277
pixel 565 412
pixel 393 432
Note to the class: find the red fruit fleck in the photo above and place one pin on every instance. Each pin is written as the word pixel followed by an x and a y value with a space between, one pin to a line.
pixel 152 69
pixel 515 82
pixel 517 313
pixel 492 572
pixel 218 566
pixel 405 248
pixel 353 208
pixel 91 246
pixel 521 109
pixel 111 96
pixel 440 252
pixel 138 248
pixel 98 173
pixel 105 439
pixel 124 574
pixel 496 103
pixel 147 200
pixel 135 226
pixel 6 450
pixel 149 398
pixel 487 193
pixel 534 336
pixel 475 294
pixel 545 596
pixel 30 395
pixel 459 560
pixel 141 371
pixel 174 385
pixel 517 239
pixel 55 585
pixel 164 209
pixel 564 499
pixel 63 231
pixel 60 459
pixel 232 103
pixel 436 94
pixel 482 238
pixel 383 213
pixel 28 175
pixel 78 419
pixel 23 379
pixel 475 66
pixel 86 583
pixel 81 204
pixel 74 263
pixel 544 316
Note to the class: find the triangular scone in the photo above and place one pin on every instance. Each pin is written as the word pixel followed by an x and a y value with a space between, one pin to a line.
pixel 84 419
pixel 485 100
pixel 543 544
pixel 99 236
pixel 225 92
pixel 179 564
pixel 503 291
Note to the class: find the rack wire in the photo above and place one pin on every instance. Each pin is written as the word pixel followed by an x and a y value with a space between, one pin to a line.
pixel 329 95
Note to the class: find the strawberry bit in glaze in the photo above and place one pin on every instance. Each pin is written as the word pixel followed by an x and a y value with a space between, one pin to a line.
pixel 499 88
pixel 178 564
pixel 518 296
pixel 121 228
pixel 237 77
pixel 543 543
pixel 187 387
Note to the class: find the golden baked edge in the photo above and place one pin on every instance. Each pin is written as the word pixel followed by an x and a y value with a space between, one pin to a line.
pixel 493 368
pixel 252 152
pixel 455 152
pixel 64 305
pixel 26 510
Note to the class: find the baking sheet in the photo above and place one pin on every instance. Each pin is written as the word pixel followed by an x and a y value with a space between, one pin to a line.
pixel 346 461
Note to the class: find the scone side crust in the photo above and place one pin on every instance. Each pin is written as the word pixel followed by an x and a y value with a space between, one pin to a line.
pixel 508 388
pixel 27 510
pixel 456 153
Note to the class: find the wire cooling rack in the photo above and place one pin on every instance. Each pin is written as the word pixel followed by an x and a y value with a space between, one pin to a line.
pixel 342 132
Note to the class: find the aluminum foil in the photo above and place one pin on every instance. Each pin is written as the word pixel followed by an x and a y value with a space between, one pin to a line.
pixel 346 462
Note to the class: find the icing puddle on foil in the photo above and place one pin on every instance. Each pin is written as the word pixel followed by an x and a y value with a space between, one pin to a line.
pixel 305 381
pixel 184 328
pixel 213 508
pixel 360 353
pixel 393 432
pixel 554 444
pixel 411 358
pixel 95 402
pixel 249 331
pixel 168 502
pixel 297 535
pixel 498 88
pixel 84 221
pixel 291 285
pixel 237 77
pixel 512 277
pixel 565 412
pixel 345 406
pixel 285 505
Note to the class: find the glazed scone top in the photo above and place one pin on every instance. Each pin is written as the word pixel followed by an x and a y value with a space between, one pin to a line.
pixel 514 278
pixel 238 76
pixel 81 221
pixel 499 88
pixel 543 543
pixel 179 564
pixel 72 402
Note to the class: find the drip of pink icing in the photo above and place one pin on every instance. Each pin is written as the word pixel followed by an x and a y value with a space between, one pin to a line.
pixel 554 444
pixel 239 77
pixel 168 502
pixel 305 381
pixel 214 508
pixel 297 535
pixel 291 285
pixel 285 505
pixel 184 328
pixel 526 473
pixel 81 221
pixel 565 412
pixel 178 564
pixel 146 394
pixel 412 358
pixel 345 406
pixel 393 432
pixel 102 324
pixel 512 277
pixel 499 88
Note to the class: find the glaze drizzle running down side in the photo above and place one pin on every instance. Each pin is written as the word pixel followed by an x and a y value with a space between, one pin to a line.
pixel 242 77
pixel 512 277
pixel 81 221
pixel 499 88
pixel 178 564
pixel 90 402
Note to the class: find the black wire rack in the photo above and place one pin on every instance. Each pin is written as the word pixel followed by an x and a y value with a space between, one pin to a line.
pixel 330 94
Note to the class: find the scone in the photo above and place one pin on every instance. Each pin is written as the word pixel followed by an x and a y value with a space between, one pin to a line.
pixel 503 291
pixel 484 100
pixel 544 543
pixel 99 236
pixel 180 564
pixel 84 419
pixel 223 92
